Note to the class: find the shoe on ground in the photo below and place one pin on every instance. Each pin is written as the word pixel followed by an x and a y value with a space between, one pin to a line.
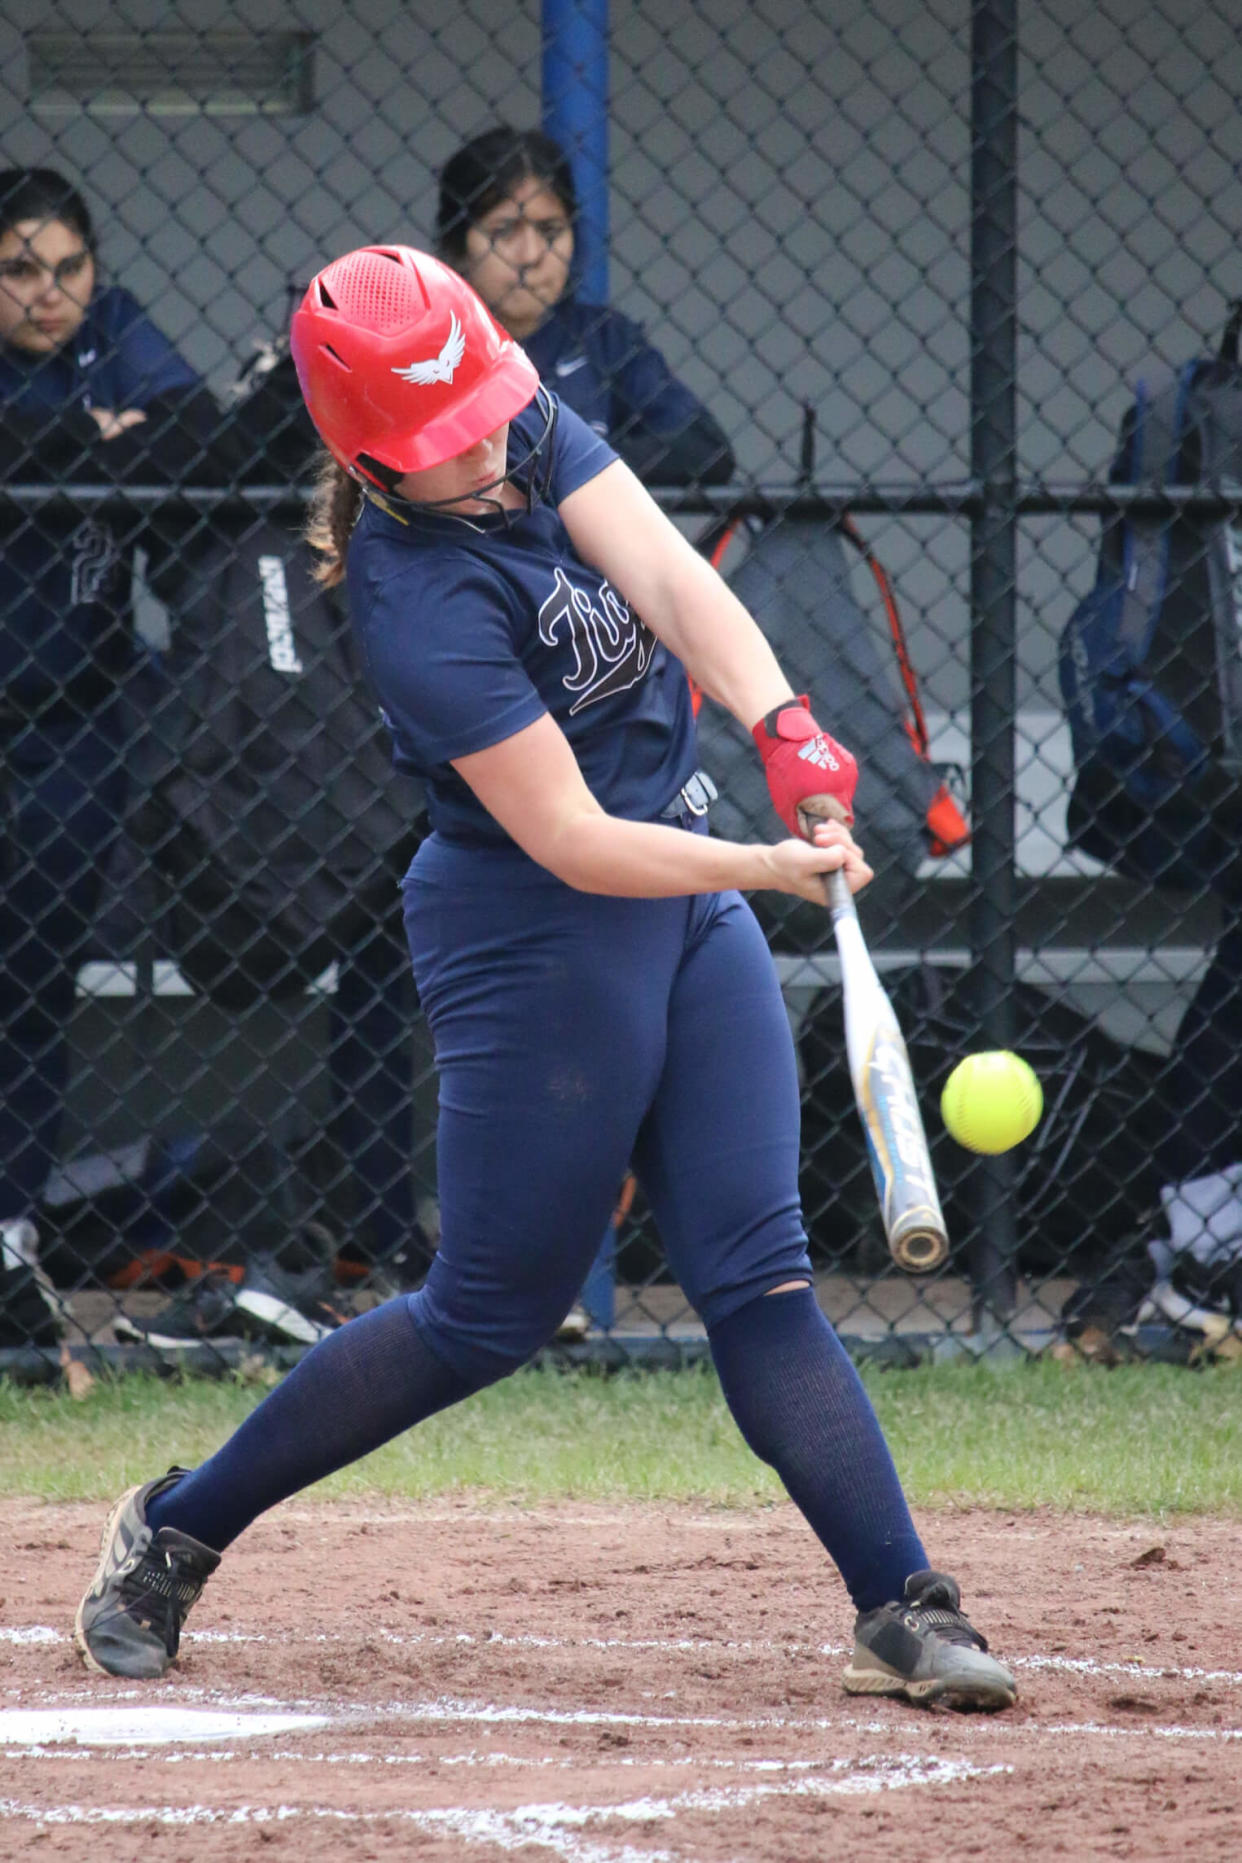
pixel 206 1311
pixel 289 1309
pixel 926 1651
pixel 129 1623
pixel 268 1304
pixel 30 1313
pixel 575 1325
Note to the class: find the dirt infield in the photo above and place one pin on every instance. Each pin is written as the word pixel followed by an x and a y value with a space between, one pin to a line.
pixel 621 1685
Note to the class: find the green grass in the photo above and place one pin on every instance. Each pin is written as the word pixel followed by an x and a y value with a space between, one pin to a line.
pixel 1143 1440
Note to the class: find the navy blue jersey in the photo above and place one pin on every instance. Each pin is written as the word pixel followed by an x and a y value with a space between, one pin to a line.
pixel 472 629
pixel 602 366
pixel 64 583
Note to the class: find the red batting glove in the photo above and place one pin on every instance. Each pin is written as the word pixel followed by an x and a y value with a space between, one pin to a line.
pixel 800 760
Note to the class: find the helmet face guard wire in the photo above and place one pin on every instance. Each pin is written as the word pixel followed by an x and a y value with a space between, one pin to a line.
pixel 523 472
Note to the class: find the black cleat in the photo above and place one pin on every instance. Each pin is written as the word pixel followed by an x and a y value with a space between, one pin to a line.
pixel 927 1651
pixel 206 1312
pixel 289 1309
pixel 129 1622
pixel 269 1304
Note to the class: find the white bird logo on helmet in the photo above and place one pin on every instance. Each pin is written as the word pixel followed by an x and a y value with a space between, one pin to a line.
pixel 439 368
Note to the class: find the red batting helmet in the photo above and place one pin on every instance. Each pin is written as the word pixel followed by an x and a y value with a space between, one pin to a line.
pixel 401 363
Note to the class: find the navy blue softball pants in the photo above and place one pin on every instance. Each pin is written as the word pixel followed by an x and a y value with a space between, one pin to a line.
pixel 575 1034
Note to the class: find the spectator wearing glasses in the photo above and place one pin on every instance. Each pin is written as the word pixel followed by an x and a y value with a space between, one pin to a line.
pixel 91 393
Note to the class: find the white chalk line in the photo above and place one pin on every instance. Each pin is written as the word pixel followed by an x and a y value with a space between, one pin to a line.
pixel 1133 1668
pixel 560 1829
pixel 453 1710
pixel 79 1751
pixel 446 1711
pixel 517 1762
pixel 557 1826
pixel 152 1724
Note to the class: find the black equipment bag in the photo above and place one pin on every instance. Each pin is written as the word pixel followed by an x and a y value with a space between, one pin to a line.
pixel 1150 660
pixel 1085 1179
pixel 269 808
pixel 175 1199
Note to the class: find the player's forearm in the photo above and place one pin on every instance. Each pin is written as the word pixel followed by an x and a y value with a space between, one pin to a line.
pixel 531 784
pixel 643 860
pixel 615 525
pixel 721 647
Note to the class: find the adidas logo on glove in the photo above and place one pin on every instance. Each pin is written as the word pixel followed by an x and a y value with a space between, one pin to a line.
pixel 789 736
pixel 818 753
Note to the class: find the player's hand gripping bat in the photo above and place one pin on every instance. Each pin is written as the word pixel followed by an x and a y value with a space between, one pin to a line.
pixel 883 1085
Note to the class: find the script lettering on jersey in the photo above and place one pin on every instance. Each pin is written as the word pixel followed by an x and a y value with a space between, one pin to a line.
pixel 612 648
pixel 282 648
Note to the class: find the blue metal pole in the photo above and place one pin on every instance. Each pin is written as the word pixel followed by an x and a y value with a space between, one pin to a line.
pixel 575 112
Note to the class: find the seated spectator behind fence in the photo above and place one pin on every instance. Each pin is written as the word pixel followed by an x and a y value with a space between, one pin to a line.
pixel 280 830
pixel 90 393
pixel 505 220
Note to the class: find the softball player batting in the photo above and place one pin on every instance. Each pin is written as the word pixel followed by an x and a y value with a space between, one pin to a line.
pixel 597 988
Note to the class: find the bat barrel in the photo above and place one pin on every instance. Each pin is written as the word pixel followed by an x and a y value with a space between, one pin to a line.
pixel 920 1247
pixel 887 1104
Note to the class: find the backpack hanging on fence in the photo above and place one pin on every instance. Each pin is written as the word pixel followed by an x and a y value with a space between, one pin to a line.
pixel 795 581
pixel 947 829
pixel 269 807
pixel 1150 661
pixel 932 787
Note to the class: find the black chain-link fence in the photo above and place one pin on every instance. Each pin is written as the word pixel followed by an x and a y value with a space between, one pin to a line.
pixel 912 263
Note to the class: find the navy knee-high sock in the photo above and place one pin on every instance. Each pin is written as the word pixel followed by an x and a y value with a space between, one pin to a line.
pixel 352 1392
pixel 800 1404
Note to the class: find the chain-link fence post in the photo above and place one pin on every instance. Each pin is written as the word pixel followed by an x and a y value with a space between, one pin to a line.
pixel 993 599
